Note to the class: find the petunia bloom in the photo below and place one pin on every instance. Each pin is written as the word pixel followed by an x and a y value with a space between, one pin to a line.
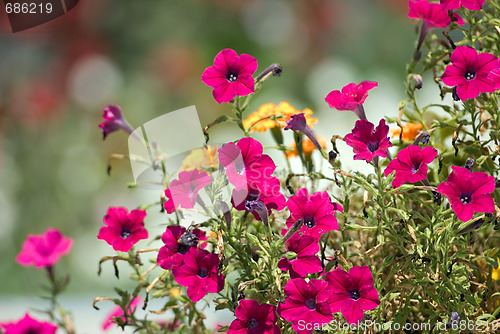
pixel 352 293
pixel 410 164
pixel 28 325
pixel 298 122
pixel 199 273
pixel 367 142
pixel 316 211
pixel 118 313
pixel 253 318
pixel 123 229
pixel 44 250
pixel 468 192
pixel 469 72
pixel 113 121
pixel 260 120
pixel 305 262
pixel 455 4
pixel 230 75
pixel 184 190
pixel 178 241
pixel 351 97
pixel 306 305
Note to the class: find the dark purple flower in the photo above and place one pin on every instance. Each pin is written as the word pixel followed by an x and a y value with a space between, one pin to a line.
pixel 368 143
pixel 305 261
pixel 351 97
pixel 123 229
pixel 230 75
pixel 254 318
pixel 298 122
pixel 113 121
pixel 178 241
pixel 28 325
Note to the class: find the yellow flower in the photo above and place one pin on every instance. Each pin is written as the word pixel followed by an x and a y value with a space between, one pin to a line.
pixel 495 273
pixel 410 131
pixel 307 147
pixel 201 158
pixel 175 292
pixel 257 121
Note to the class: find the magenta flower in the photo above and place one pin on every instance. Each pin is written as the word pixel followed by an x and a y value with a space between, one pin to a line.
pixel 184 190
pixel 469 4
pixel 230 75
pixel 245 163
pixel 178 242
pixel 44 250
pixel 118 312
pixel 254 318
pixel 123 229
pixel 469 72
pixel 351 98
pixel 169 203
pixel 28 325
pixel 352 293
pixel 199 273
pixel 316 211
pixel 113 121
pixel 298 122
pixel 468 192
pixel 368 143
pixel 305 262
pixel 306 305
pixel 411 164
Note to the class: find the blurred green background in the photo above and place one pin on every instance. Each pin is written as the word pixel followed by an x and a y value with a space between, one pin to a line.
pixel 147 57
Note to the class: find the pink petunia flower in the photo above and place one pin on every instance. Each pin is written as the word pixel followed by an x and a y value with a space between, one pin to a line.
pixel 28 325
pixel 316 211
pixel 306 305
pixel 44 250
pixel 245 163
pixel 469 4
pixel 411 164
pixel 230 75
pixel 199 273
pixel 253 318
pixel 468 192
pixel 469 72
pixel 368 143
pixel 298 122
pixel 118 312
pixel 123 229
pixel 169 203
pixel 113 121
pixel 352 293
pixel 178 241
pixel 305 262
pixel 351 97
pixel 185 188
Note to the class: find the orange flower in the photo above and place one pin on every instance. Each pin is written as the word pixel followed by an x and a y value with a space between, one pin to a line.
pixel 257 121
pixel 307 147
pixel 200 158
pixel 410 131
pixel 175 292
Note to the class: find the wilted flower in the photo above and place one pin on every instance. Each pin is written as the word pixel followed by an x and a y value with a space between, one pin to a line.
pixel 368 143
pixel 44 250
pixel 230 75
pixel 352 293
pixel 113 121
pixel 298 123
pixel 123 229
pixel 351 97
pixel 177 242
pixel 28 325
pixel 252 317
pixel 305 261
pixel 118 313
pixel 469 4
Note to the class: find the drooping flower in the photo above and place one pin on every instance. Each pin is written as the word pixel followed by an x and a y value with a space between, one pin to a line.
pixel 469 4
pixel 230 75
pixel 253 318
pixel 185 188
pixel 259 120
pixel 118 313
pixel 410 164
pixel 351 97
pixel 307 147
pixel 316 211
pixel 123 229
pixel 468 192
pixel 245 163
pixel 410 131
pixel 352 293
pixel 469 72
pixel 44 250
pixel 178 241
pixel 28 325
pixel 199 273
pixel 200 158
pixel 367 142
pixel 298 123
pixel 306 305
pixel 113 121
pixel 305 261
